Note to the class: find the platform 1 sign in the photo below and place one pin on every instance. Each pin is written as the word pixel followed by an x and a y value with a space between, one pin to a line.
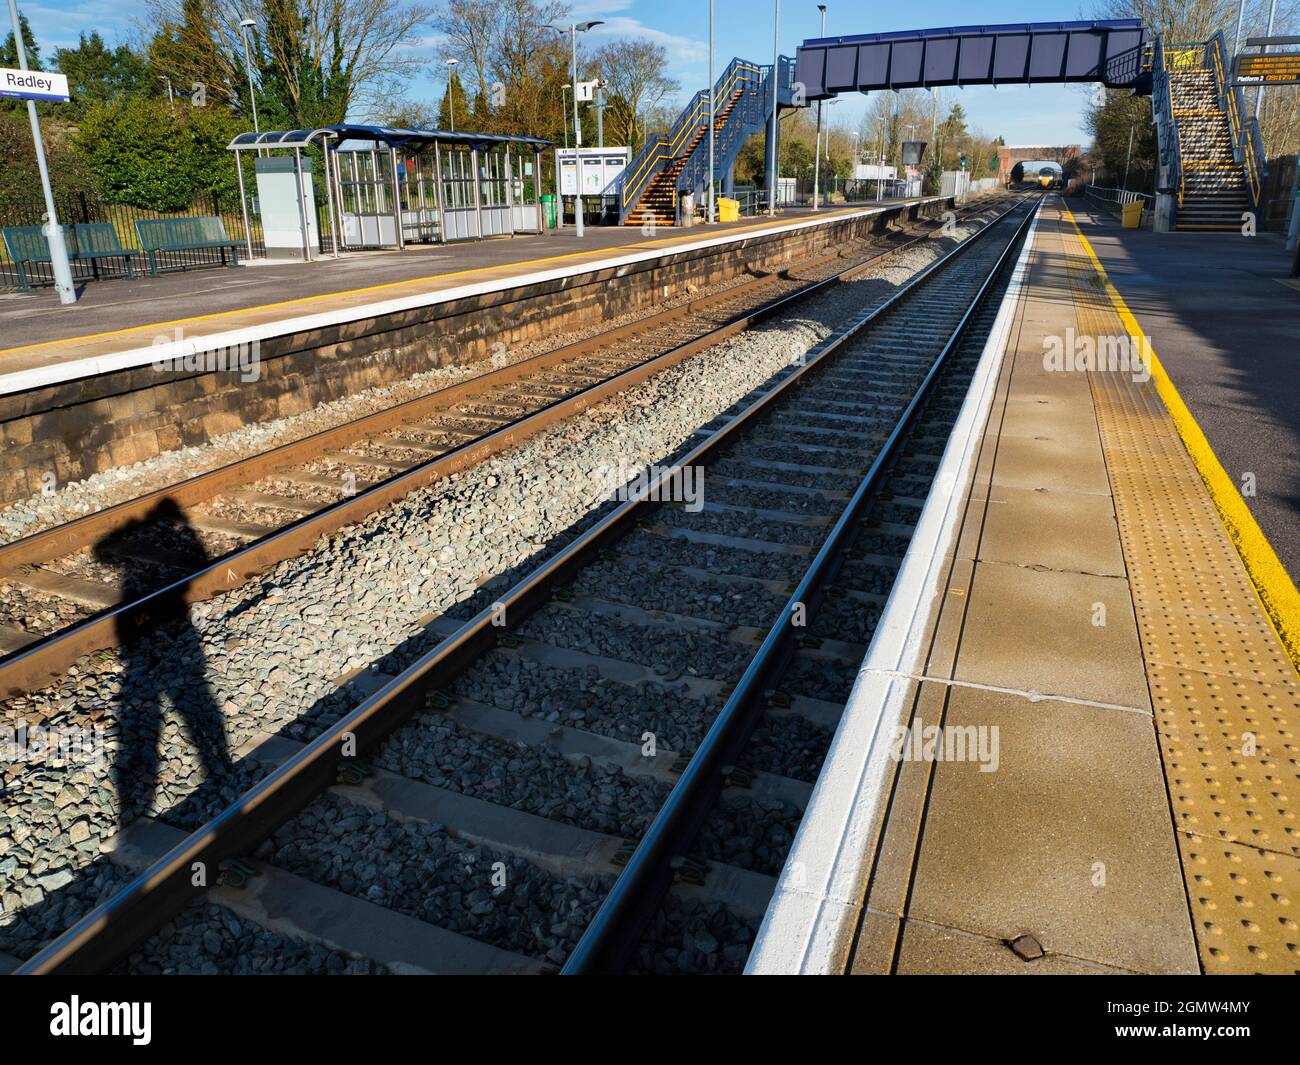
pixel 1271 68
pixel 34 85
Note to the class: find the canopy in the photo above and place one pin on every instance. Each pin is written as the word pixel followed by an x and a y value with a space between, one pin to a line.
pixel 390 136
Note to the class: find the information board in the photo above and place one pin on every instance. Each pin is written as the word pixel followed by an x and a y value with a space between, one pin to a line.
pixel 1274 68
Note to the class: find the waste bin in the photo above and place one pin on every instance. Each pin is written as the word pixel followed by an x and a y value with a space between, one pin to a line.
pixel 548 210
pixel 1133 215
pixel 728 209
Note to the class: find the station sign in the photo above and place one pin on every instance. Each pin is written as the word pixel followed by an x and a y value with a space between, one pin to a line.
pixel 34 85
pixel 1271 68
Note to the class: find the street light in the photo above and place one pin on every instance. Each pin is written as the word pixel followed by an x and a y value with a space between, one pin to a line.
pixel 451 96
pixel 574 29
pixel 776 103
pixel 713 116
pixel 54 232
pixel 244 26
pixel 817 140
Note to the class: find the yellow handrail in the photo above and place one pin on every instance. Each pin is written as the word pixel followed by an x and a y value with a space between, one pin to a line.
pixel 633 185
pixel 1234 119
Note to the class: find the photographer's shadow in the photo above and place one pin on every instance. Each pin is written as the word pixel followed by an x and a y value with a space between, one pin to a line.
pixel 165 660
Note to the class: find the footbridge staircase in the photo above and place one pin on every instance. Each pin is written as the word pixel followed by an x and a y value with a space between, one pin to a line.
pixel 677 161
pixel 1211 153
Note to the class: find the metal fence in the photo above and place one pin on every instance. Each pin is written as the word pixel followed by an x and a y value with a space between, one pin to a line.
pixel 86 207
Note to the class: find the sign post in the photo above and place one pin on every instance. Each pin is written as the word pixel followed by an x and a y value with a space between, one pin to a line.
pixel 32 86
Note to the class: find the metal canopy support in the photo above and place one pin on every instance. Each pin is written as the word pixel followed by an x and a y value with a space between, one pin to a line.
pixel 537 189
pixel 329 199
pixel 510 192
pixel 478 191
pixel 243 206
pixel 302 207
pixel 397 201
pixel 442 207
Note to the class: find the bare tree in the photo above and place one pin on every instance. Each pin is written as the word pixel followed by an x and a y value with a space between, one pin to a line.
pixel 634 71
pixel 325 57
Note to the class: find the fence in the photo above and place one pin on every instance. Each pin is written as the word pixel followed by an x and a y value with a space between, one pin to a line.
pixel 1114 200
pixel 1279 193
pixel 86 207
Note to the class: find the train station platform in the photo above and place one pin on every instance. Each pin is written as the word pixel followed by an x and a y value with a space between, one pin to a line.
pixel 1072 745
pixel 270 295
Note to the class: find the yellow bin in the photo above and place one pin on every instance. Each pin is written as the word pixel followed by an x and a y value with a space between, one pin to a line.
pixel 1133 215
pixel 728 210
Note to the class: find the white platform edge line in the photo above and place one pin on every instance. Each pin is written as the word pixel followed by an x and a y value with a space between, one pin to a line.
pixel 74 369
pixel 809 925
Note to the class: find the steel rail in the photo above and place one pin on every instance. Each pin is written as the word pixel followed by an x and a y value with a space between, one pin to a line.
pixel 110 931
pixel 48 658
pixel 612 936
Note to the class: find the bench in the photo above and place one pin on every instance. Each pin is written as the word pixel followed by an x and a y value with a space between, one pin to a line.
pixel 98 240
pixel 86 242
pixel 196 233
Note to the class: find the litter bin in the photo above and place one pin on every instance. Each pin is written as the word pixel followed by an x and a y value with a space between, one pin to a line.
pixel 548 210
pixel 728 209
pixel 1133 215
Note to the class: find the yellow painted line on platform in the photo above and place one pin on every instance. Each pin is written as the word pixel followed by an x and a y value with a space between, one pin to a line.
pixel 1273 585
pixel 659 242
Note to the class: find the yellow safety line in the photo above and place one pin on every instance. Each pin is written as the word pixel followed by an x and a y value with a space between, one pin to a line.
pixel 648 244
pixel 1273 585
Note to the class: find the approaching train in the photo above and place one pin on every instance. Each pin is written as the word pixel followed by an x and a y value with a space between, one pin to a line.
pixel 1050 179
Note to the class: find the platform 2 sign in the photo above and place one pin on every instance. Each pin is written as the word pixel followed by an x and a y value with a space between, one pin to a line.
pixel 1272 68
pixel 34 85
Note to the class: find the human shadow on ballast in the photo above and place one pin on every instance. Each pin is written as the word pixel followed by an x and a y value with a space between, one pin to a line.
pixel 162 660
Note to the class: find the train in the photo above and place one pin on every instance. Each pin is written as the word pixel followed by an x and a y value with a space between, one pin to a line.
pixel 1051 180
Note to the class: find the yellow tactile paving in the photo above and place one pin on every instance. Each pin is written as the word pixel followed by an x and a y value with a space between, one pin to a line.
pixel 1223 685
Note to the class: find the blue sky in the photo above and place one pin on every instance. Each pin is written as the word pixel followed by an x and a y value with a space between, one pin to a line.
pixel 1040 114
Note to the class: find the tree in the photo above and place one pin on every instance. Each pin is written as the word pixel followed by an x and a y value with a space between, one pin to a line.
pixel 317 60
pixel 9 52
pixel 634 70
pixel 97 73
pixel 1110 125
pixel 454 102
pixel 147 154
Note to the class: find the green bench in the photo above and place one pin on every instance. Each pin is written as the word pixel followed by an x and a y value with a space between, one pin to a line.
pixel 86 242
pixel 198 233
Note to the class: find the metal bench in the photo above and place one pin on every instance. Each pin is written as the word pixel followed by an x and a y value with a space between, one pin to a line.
pixel 86 242
pixel 196 233
pixel 98 240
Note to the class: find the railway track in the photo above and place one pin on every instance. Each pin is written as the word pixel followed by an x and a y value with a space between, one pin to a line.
pixel 655 698
pixel 101 578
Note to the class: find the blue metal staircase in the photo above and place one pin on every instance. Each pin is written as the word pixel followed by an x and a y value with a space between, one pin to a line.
pixel 677 161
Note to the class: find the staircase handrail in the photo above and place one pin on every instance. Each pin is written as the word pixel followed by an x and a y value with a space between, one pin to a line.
pixel 1247 146
pixel 748 78
pixel 664 146
pixel 1162 100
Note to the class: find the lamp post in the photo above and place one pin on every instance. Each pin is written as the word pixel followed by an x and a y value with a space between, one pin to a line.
pixel 574 29
pixel 713 116
pixel 244 26
pixel 817 139
pixel 171 100
pixel 1259 94
pixel 54 232
pixel 451 96
pixel 776 103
